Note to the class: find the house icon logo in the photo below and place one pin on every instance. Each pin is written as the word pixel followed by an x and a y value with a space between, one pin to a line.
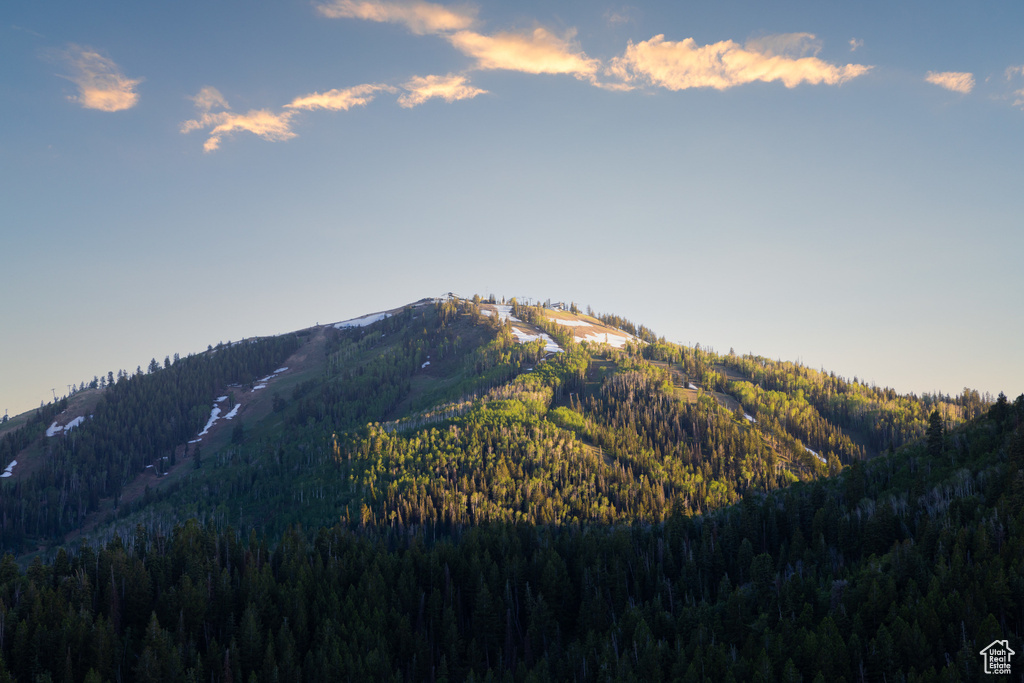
pixel 997 657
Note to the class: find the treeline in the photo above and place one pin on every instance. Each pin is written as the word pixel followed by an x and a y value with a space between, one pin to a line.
pixel 903 568
pixel 137 420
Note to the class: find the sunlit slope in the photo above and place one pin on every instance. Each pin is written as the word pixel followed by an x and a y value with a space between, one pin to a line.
pixel 447 412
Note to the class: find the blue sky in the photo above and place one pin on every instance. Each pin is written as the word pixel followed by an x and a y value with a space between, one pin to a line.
pixel 835 183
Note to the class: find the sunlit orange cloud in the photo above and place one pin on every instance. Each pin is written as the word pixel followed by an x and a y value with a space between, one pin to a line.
pixel 101 85
pixel 418 17
pixel 261 122
pixel 725 64
pixel 952 80
pixel 340 100
pixel 449 88
pixel 537 52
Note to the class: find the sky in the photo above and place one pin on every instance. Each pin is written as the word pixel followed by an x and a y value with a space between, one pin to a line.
pixel 832 183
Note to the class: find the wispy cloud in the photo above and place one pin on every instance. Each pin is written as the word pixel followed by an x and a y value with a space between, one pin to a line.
pixel 209 98
pixel 1013 72
pixel 956 81
pixel 260 122
pixel 29 31
pixel 340 100
pixel 855 43
pixel 536 52
pixel 617 17
pixel 449 88
pixel 101 85
pixel 418 17
pixel 725 64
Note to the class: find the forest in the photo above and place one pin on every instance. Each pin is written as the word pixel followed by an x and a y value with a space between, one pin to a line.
pixel 434 501
pixel 900 568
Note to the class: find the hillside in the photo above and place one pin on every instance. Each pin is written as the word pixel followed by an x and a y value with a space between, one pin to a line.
pixel 443 412
pixel 901 567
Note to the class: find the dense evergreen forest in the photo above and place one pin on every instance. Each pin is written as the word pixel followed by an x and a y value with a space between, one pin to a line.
pixel 429 499
pixel 138 420
pixel 901 568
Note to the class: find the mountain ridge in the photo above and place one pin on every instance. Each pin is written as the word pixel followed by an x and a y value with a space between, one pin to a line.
pixel 446 363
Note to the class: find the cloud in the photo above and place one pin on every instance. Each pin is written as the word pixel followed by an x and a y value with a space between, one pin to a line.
pixel 952 80
pixel 1011 73
pixel 101 85
pixel 725 64
pixel 209 98
pixel 793 45
pixel 337 100
pixel 537 52
pixel 623 15
pixel 855 43
pixel 419 17
pixel 449 88
pixel 260 122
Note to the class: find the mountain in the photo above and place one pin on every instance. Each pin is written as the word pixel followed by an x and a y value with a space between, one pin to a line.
pixel 443 411
pixel 528 491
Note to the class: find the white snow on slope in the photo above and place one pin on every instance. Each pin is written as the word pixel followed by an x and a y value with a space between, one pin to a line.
pixel 689 385
pixel 815 454
pixel 262 383
pixel 362 322
pixel 221 399
pixel 550 345
pixel 504 312
pixel 214 416
pixel 234 411
pixel 572 323
pixel 55 429
pixel 9 470
pixel 425 364
pixel 607 338
pixel 748 417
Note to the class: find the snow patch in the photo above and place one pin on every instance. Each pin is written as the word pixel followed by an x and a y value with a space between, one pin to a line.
pixel 55 429
pixel 425 364
pixel 214 416
pixel 234 411
pixel 815 454
pixel 572 323
pixel 362 322
pixel 615 340
pixel 504 312
pixel 9 470
pixel 221 399
pixel 259 386
pixel 280 370
pixel 748 417
pixel 550 345
pixel 689 385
